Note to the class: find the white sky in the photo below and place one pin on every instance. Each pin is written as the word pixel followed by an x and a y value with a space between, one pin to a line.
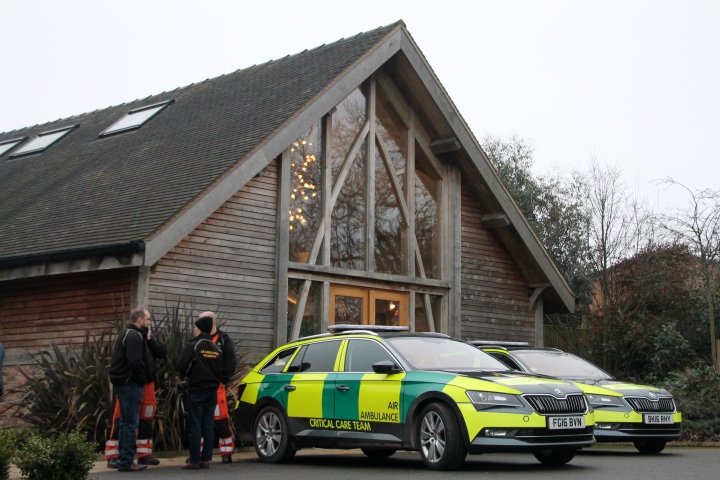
pixel 635 83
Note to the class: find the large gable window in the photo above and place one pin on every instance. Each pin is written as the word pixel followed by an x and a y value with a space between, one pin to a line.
pixel 42 141
pixel 365 216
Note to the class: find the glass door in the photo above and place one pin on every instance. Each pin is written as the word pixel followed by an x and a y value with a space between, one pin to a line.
pixel 362 306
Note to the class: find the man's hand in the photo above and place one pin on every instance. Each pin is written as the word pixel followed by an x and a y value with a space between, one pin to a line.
pixel 149 334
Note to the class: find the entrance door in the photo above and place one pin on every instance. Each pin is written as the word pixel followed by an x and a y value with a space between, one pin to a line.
pixel 363 306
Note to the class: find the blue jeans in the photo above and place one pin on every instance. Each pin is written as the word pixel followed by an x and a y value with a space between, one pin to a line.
pixel 201 421
pixel 130 396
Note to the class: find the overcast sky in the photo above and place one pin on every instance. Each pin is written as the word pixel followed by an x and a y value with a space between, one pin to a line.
pixel 634 83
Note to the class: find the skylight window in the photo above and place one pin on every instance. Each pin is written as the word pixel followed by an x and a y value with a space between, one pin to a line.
pixel 135 118
pixel 42 141
pixel 7 145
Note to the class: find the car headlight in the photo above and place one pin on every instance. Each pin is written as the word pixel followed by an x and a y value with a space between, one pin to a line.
pixel 600 401
pixel 484 400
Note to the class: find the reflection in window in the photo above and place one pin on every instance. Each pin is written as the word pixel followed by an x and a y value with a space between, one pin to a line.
pixel 362 354
pixel 306 208
pixel 347 245
pixel 387 312
pixel 347 121
pixel 422 320
pixel 277 364
pixel 348 310
pixel 393 134
pixel 318 357
pixel 311 314
pixel 427 219
pixel 390 226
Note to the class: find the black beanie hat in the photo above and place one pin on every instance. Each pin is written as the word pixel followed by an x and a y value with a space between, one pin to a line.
pixel 204 324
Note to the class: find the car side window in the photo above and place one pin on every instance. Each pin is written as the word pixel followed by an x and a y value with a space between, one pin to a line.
pixel 506 360
pixel 277 364
pixel 362 354
pixel 316 357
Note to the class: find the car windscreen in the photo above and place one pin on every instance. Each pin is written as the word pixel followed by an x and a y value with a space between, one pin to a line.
pixel 563 365
pixel 432 353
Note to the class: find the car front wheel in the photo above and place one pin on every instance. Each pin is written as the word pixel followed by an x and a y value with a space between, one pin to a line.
pixel 554 457
pixel 440 438
pixel 272 437
pixel 651 446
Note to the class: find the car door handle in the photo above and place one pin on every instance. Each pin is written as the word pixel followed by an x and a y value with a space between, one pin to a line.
pixel 290 388
pixel 343 388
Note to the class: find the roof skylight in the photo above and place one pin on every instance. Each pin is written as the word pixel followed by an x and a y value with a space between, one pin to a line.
pixel 135 118
pixel 7 145
pixel 42 141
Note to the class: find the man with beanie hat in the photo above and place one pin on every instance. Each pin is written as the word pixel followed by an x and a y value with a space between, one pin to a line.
pixel 202 364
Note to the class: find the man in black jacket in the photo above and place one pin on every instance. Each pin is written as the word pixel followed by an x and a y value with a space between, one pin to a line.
pixel 202 363
pixel 132 367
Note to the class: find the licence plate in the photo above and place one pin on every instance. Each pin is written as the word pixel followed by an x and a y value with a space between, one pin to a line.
pixel 655 419
pixel 561 423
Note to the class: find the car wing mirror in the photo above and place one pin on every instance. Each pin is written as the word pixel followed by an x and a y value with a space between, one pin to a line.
pixel 387 367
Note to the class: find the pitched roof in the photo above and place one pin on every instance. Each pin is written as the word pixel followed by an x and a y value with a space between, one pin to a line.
pixel 87 192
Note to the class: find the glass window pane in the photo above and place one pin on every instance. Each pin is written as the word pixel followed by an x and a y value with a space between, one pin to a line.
pixel 387 312
pixel 306 208
pixel 347 121
pixel 320 357
pixel 348 310
pixel 311 315
pixel 422 321
pixel 390 226
pixel 5 147
pixel 347 245
pixel 134 119
pixel 362 354
pixel 41 142
pixel 427 216
pixel 277 364
pixel 393 133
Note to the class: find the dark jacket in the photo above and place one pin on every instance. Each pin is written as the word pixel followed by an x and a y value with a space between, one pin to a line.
pixel 202 363
pixel 226 345
pixel 133 358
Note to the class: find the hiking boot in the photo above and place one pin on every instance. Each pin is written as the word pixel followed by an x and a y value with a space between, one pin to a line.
pixel 112 463
pixel 227 459
pixel 148 460
pixel 205 465
pixel 191 466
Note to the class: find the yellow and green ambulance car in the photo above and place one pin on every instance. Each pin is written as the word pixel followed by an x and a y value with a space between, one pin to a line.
pixel 624 412
pixel 384 390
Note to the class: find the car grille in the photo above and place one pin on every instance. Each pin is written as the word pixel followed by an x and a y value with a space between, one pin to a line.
pixel 650 430
pixel 645 405
pixel 547 404
pixel 544 435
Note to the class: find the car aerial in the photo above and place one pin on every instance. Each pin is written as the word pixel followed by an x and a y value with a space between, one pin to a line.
pixel 384 389
pixel 624 412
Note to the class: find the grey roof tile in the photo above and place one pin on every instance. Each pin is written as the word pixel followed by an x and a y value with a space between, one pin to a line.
pixel 86 192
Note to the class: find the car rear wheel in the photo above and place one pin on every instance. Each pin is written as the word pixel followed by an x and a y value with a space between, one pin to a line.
pixel 272 437
pixel 554 457
pixel 650 446
pixel 378 452
pixel 440 438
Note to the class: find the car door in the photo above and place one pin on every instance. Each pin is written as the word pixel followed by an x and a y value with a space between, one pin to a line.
pixel 367 404
pixel 311 389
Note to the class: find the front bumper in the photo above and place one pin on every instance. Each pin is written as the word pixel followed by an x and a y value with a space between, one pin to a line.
pixel 533 439
pixel 613 426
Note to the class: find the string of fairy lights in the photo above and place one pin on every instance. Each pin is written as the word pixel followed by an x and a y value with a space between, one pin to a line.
pixel 303 188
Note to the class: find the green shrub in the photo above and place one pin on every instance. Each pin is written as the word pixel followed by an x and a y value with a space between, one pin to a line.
pixel 696 391
pixel 7 450
pixel 61 457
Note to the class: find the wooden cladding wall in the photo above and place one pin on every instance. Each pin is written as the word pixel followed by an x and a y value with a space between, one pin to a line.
pixel 495 303
pixel 37 311
pixel 227 265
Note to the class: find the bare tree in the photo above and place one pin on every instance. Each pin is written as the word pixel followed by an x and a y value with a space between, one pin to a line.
pixel 698 226
pixel 617 231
